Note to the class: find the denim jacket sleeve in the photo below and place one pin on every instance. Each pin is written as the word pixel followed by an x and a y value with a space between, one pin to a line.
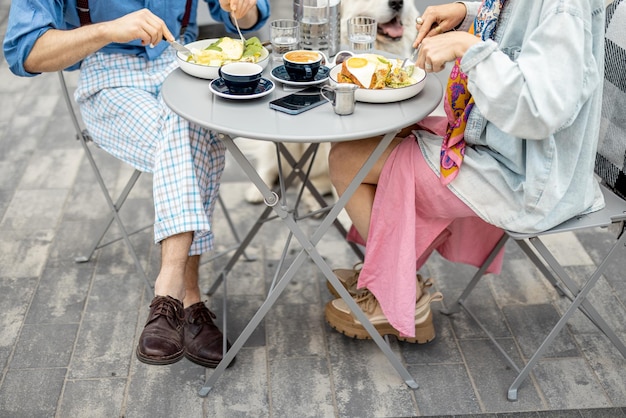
pixel 547 97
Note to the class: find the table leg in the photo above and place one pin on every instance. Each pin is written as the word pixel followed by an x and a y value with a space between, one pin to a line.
pixel 308 249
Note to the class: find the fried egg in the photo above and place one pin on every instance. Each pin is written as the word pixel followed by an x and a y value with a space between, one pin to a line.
pixel 362 68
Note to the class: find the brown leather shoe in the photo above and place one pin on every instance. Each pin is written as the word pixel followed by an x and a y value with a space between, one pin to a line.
pixel 161 341
pixel 203 340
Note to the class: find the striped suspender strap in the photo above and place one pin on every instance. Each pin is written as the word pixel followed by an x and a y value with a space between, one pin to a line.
pixel 185 21
pixel 82 6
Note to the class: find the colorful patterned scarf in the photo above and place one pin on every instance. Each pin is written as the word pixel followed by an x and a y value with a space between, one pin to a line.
pixel 459 101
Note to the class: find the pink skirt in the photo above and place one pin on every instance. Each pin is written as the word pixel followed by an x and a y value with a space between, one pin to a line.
pixel 432 218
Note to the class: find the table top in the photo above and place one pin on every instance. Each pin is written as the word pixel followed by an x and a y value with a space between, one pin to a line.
pixel 191 98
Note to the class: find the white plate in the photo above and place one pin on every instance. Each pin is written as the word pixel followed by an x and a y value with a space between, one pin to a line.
pixel 209 72
pixel 386 95
pixel 218 88
pixel 280 74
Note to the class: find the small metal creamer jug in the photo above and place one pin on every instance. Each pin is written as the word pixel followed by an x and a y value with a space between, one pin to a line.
pixel 343 97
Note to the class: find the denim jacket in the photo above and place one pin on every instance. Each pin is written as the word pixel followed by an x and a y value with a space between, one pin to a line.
pixel 532 135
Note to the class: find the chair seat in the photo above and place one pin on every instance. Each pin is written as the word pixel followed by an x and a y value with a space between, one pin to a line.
pixel 614 211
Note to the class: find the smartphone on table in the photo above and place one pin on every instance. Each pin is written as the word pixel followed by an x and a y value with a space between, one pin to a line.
pixel 299 101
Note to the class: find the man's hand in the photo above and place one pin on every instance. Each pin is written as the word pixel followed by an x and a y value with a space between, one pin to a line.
pixel 245 11
pixel 142 24
pixel 58 49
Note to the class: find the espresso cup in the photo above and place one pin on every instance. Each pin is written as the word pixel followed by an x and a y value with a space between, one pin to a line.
pixel 302 65
pixel 241 77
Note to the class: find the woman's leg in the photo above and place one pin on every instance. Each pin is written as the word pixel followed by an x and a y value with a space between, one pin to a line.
pixel 345 160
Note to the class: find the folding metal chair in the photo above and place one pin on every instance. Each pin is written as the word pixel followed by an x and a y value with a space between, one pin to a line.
pixel 115 206
pixel 610 161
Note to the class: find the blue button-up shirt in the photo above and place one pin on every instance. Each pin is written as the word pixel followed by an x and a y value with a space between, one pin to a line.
pixel 29 19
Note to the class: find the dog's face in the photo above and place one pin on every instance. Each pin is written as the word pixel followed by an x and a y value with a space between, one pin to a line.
pixel 396 22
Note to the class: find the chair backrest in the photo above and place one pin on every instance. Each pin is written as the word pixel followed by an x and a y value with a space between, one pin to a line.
pixel 611 155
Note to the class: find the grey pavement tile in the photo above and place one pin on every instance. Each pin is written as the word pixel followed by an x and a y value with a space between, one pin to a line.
pixel 491 375
pixel 113 297
pixel 302 288
pixel 104 348
pixel 23 253
pixel 5 198
pixel 307 394
pixel 521 283
pixel 570 383
pixel 11 171
pixel 295 330
pixel 15 298
pixel 603 300
pixel 243 390
pixel 61 295
pixel 72 241
pixel 165 391
pixel 25 210
pixel 51 169
pixel 570 413
pixel 116 259
pixel 364 381
pixel 44 346
pixel 31 392
pixel 532 323
pixel 451 279
pixel 93 398
pixel 245 279
pixel 457 398
pixel 607 363
pixel 240 311
pixel 444 348
pixel 597 242
pixel 603 412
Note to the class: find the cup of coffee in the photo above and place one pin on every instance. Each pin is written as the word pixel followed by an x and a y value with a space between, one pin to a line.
pixel 302 65
pixel 241 77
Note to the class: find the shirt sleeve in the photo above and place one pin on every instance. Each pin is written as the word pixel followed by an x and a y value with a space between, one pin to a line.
pixel 223 16
pixel 28 20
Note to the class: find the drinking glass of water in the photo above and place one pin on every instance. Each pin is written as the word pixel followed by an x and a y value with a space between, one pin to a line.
pixel 284 36
pixel 362 33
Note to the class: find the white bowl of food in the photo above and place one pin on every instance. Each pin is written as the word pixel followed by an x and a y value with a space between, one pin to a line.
pixel 210 54
pixel 380 79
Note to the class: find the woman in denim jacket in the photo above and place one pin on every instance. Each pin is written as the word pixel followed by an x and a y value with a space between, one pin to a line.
pixel 515 151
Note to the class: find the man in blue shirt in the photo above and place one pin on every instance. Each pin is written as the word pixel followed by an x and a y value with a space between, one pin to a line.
pixel 120 49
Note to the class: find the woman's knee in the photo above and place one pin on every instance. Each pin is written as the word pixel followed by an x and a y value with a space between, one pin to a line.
pixel 340 162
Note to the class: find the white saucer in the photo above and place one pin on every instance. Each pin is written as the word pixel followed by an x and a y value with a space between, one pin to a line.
pixel 218 88
pixel 280 74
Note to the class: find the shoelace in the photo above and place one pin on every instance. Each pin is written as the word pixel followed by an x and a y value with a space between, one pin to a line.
pixel 201 316
pixel 368 302
pixel 164 307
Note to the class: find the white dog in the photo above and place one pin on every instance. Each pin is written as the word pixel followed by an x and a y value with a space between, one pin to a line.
pixel 396 33
pixel 396 23
pixel 265 161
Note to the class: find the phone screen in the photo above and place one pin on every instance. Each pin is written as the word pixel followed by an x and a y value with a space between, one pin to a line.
pixel 300 101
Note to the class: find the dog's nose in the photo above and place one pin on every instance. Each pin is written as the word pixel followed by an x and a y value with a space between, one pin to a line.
pixel 396 5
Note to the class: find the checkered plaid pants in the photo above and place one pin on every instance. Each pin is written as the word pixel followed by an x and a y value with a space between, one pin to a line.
pixel 121 103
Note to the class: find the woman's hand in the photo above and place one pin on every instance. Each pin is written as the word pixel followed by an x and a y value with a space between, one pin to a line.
pixel 436 51
pixel 439 19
